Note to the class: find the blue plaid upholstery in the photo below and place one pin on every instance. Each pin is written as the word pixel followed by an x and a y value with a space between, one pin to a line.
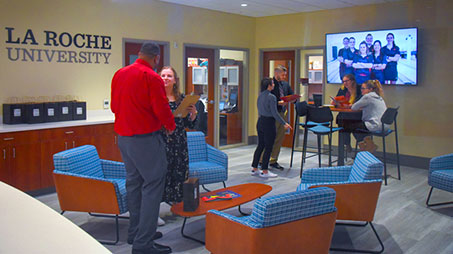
pixel 84 162
pixel 366 169
pixel 332 174
pixel 113 169
pixel 196 144
pixel 441 172
pixel 283 208
pixel 208 164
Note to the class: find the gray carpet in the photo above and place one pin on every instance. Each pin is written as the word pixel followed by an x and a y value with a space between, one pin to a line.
pixel 402 220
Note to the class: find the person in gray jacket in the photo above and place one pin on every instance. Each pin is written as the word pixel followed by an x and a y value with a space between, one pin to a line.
pixel 268 114
pixel 373 107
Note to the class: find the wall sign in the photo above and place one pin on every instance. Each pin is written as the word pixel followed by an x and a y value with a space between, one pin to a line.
pixel 93 49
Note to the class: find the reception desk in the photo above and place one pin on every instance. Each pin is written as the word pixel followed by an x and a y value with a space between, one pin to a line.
pixel 29 226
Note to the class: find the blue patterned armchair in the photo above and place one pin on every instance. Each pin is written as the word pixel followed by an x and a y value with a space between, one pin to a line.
pixel 85 183
pixel 357 189
pixel 290 223
pixel 208 164
pixel 440 176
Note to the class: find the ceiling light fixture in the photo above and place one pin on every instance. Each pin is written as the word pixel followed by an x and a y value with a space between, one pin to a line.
pixel 244 5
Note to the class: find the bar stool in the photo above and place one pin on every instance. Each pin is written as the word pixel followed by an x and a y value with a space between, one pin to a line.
pixel 388 118
pixel 319 115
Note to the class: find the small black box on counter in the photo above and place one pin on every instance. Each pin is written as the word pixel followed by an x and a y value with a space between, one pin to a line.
pixel 13 113
pixel 34 112
pixel 191 194
pixel 65 110
pixel 79 110
pixel 51 112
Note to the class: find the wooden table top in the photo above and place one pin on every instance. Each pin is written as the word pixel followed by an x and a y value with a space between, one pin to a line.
pixel 248 192
pixel 347 110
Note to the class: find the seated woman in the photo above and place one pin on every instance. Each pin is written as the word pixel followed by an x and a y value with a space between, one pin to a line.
pixel 373 107
pixel 351 91
pixel 267 110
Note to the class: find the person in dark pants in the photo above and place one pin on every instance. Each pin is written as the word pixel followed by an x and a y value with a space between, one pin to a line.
pixel 141 110
pixel 281 88
pixel 267 110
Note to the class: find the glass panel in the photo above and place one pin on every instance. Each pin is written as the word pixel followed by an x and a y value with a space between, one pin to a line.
pixel 312 68
pixel 199 70
pixel 231 82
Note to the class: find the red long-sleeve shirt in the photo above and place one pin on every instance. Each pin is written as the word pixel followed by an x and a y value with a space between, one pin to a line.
pixel 139 101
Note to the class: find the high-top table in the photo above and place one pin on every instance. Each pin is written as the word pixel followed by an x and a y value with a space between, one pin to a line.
pixel 248 192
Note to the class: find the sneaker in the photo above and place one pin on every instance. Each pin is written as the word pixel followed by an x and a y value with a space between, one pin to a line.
pixel 160 221
pixel 268 175
pixel 276 166
pixel 255 172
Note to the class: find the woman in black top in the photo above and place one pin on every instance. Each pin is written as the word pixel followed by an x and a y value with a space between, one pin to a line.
pixel 267 110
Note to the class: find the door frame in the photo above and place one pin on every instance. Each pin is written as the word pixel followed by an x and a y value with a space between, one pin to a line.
pixel 165 60
pixel 246 79
pixel 295 73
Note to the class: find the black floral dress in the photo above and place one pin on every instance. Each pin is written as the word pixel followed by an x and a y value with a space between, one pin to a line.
pixel 177 157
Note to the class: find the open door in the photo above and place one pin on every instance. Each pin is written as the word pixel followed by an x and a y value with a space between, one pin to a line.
pixel 272 59
pixel 199 68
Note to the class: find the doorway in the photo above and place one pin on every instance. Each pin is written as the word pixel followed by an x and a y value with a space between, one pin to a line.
pixel 132 47
pixel 199 73
pixel 272 59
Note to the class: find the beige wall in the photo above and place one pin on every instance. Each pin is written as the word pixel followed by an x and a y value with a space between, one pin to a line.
pixel 135 19
pixel 425 116
pixel 425 113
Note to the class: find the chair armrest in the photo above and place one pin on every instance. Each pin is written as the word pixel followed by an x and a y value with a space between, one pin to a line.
pixel 86 194
pixel 355 201
pixel 245 220
pixel 113 169
pixel 217 156
pixel 328 174
pixel 441 162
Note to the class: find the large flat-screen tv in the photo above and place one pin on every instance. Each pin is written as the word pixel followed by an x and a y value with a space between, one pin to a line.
pixel 389 56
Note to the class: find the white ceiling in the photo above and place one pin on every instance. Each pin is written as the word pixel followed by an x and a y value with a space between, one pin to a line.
pixel 261 8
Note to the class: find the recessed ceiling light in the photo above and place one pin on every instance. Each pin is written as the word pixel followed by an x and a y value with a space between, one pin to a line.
pixel 244 5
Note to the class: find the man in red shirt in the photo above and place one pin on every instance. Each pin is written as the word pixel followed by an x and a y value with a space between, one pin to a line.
pixel 141 109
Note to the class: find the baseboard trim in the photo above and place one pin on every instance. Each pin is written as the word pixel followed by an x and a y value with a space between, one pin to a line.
pixel 405 160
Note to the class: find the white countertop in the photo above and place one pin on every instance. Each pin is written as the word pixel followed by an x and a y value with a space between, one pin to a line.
pixel 29 226
pixel 93 117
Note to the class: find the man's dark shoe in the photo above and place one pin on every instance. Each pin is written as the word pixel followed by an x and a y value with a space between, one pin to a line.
pixel 276 166
pixel 157 235
pixel 156 249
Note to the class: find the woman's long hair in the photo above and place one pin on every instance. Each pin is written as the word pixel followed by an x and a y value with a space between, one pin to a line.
pixel 394 44
pixel 353 90
pixel 375 86
pixel 381 55
pixel 175 91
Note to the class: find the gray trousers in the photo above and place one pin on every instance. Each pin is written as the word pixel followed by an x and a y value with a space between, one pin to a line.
pixel 146 165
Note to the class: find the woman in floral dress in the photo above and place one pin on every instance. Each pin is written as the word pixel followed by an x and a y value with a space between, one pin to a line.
pixel 177 152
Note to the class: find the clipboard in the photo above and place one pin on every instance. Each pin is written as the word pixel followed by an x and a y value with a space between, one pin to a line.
pixel 181 111
pixel 291 97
